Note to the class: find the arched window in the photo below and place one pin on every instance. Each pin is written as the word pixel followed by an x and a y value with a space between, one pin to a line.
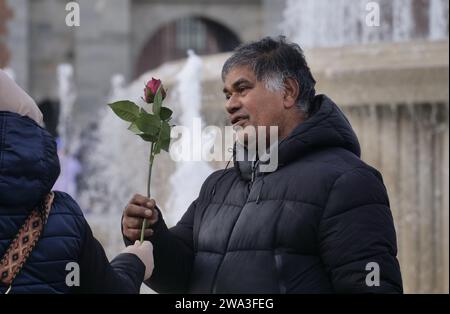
pixel 172 41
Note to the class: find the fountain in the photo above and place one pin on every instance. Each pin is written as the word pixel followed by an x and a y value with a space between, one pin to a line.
pixel 323 23
pixel 68 139
pixel 189 175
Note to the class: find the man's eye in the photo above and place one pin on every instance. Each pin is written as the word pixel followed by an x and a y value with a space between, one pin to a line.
pixel 227 96
pixel 242 90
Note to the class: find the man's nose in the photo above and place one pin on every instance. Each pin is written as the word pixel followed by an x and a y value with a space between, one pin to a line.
pixel 233 104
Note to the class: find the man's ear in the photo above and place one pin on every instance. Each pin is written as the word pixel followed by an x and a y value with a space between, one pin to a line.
pixel 291 92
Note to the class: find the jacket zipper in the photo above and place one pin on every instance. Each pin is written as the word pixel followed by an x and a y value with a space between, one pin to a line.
pixel 214 288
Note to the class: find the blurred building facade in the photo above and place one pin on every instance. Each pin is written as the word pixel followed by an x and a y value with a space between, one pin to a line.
pixel 126 37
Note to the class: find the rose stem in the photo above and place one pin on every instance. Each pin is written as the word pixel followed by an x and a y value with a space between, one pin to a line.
pixel 152 157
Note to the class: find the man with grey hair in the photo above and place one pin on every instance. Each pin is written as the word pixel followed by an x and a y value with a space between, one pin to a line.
pixel 319 223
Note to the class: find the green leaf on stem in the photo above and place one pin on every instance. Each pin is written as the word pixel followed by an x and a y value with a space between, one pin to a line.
pixel 148 123
pixel 126 110
pixel 165 136
pixel 163 141
pixel 149 137
pixel 133 128
pixel 166 114
pixel 157 148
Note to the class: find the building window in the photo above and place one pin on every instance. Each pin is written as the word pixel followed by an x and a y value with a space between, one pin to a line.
pixel 171 42
pixel 191 33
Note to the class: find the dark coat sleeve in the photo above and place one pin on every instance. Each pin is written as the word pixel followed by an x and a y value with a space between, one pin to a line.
pixel 124 275
pixel 356 229
pixel 173 252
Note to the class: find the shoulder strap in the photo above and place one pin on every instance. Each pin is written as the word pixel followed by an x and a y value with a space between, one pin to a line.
pixel 20 249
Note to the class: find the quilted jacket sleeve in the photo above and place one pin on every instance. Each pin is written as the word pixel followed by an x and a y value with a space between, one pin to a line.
pixel 124 275
pixel 173 254
pixel 357 236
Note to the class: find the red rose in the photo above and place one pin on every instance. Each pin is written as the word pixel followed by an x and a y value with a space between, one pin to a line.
pixel 151 88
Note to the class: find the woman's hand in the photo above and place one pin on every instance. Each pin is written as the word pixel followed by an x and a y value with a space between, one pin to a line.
pixel 144 252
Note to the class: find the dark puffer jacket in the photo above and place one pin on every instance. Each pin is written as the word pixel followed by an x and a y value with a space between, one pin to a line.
pixel 312 226
pixel 29 167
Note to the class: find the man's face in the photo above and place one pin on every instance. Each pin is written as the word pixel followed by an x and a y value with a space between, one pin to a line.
pixel 250 103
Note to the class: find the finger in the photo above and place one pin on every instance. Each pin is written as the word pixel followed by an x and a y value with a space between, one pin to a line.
pixel 132 234
pixel 142 201
pixel 133 210
pixel 133 222
pixel 138 199
pixel 154 218
pixel 148 233
pixel 147 245
pixel 150 204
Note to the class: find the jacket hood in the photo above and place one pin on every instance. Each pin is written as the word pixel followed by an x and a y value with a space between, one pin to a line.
pixel 327 127
pixel 29 164
pixel 14 99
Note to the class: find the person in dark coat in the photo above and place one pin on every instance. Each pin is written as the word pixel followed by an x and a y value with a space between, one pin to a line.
pixel 319 223
pixel 29 167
